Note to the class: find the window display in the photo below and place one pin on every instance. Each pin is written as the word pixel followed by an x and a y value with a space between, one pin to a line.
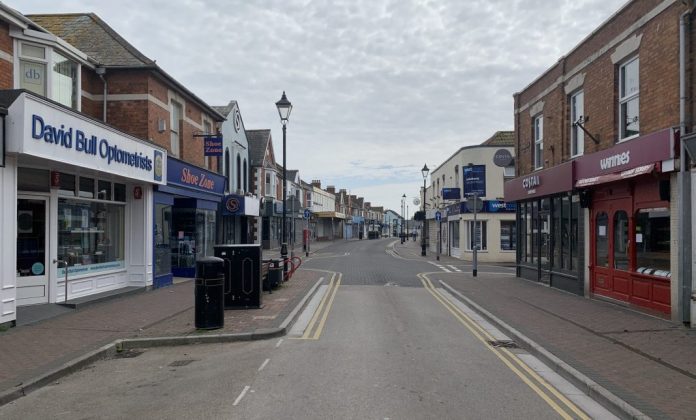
pixel 652 239
pixel 91 236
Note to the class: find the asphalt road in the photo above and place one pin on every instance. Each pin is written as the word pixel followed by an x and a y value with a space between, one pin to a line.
pixel 377 341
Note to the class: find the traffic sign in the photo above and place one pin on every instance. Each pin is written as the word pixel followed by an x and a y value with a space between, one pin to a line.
pixel 438 216
pixel 472 203
pixel 307 213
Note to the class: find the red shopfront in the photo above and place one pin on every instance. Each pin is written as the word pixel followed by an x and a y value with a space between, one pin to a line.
pixel 630 222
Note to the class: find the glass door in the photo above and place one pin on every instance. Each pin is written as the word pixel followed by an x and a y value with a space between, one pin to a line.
pixel 32 240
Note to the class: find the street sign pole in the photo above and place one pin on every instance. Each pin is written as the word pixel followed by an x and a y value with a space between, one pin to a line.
pixel 476 236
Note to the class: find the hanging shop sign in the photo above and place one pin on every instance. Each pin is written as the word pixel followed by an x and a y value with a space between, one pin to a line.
pixel 189 176
pixel 451 194
pixel 475 180
pixel 212 146
pixel 50 131
pixel 502 158
pixel 240 205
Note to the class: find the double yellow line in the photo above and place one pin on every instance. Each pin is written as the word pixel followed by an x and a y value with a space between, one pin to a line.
pixel 562 405
pixel 322 311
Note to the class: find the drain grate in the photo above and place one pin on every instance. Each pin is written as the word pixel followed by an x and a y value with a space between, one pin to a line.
pixel 128 354
pixel 183 362
pixel 508 344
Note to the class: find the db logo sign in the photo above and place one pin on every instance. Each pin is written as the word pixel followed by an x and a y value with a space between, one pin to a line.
pixel 232 204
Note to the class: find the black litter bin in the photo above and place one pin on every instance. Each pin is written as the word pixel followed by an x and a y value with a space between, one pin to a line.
pixel 275 273
pixel 209 293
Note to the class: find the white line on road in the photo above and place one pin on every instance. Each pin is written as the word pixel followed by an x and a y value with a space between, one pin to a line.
pixel 239 398
pixel 263 365
pixel 279 343
pixel 454 268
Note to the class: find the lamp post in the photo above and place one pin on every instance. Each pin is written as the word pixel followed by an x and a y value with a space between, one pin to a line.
pixel 424 171
pixel 476 230
pixel 403 219
pixel 284 107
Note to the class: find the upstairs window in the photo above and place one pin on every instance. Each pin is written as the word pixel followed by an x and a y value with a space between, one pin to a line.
pixel 207 129
pixel 577 136
pixel 628 99
pixel 538 133
pixel 47 73
pixel 175 114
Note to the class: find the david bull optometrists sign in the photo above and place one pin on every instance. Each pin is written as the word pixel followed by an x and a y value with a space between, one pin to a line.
pixel 51 132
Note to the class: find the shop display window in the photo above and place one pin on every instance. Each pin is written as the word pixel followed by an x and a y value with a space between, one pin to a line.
pixel 652 239
pixel 621 240
pixel 508 233
pixel 602 240
pixel 91 236
pixel 454 236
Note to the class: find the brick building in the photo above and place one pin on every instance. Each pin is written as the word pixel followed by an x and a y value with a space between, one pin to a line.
pixel 598 162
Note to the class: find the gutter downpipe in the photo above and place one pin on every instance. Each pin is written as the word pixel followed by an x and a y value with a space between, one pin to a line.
pixel 684 187
pixel 101 71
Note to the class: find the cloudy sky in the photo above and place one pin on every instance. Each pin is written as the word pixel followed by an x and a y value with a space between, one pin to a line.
pixel 379 87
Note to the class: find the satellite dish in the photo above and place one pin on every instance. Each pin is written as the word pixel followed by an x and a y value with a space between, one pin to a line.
pixel 416 201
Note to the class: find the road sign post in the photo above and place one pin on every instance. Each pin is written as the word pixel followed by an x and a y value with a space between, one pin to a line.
pixel 307 214
pixel 438 219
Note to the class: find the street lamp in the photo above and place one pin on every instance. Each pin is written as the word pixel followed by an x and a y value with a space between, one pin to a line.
pixel 284 107
pixel 403 219
pixel 424 171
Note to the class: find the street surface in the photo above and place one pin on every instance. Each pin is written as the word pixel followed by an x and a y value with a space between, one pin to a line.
pixel 380 339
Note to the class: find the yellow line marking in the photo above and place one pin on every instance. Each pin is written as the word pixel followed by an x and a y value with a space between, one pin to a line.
pixel 477 330
pixel 318 311
pixel 320 328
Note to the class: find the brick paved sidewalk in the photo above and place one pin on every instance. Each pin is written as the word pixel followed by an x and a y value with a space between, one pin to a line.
pixel 646 361
pixel 33 350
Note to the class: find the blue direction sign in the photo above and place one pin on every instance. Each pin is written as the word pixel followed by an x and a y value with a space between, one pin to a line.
pixel 307 213
pixel 438 216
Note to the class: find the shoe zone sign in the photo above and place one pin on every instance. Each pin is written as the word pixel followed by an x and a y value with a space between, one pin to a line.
pixel 43 129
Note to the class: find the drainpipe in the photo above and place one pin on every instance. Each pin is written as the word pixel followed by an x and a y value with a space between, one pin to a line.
pixel 100 72
pixel 684 186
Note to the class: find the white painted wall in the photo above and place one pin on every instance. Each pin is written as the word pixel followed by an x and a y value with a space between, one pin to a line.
pixel 8 240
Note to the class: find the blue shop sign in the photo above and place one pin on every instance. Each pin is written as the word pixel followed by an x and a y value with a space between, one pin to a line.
pixel 451 194
pixel 212 146
pixel 189 176
pixel 492 206
pixel 233 205
pixel 475 180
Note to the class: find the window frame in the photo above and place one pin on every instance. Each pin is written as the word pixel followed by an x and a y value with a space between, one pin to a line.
pixel 483 226
pixel 538 141
pixel 175 105
pixel 623 100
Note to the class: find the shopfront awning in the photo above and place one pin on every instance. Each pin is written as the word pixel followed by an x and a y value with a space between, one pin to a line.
pixel 617 176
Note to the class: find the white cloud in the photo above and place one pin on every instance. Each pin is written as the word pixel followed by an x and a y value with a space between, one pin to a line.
pixel 379 87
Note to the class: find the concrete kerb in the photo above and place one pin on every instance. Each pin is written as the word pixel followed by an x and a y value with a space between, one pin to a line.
pixel 67 368
pixel 117 346
pixel 258 334
pixel 610 401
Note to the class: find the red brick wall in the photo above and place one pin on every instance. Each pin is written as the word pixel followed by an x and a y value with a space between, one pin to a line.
pixel 6 70
pixel 659 87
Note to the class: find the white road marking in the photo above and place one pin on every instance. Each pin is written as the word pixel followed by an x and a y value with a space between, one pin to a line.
pixel 263 365
pixel 239 398
pixel 454 268
pixel 302 322
pixel 279 343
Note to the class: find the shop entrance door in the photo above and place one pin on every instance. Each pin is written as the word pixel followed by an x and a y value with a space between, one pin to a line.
pixel 32 255
pixel 610 257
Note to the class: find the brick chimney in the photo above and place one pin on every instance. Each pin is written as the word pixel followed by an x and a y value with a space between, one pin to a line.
pixel 331 189
pixel 316 183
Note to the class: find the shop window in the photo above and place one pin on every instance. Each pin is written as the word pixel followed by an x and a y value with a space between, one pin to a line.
pixel 629 89
pixel 534 233
pixel 454 234
pixel 556 232
pixel 163 236
pixel 91 236
pixel 104 190
pixel 477 235
pixel 545 231
pixel 653 242
pixel 119 192
pixel 538 133
pixel 67 185
pixel 602 240
pixel 577 136
pixel 508 233
pixel 621 240
pixel 574 245
pixel 86 187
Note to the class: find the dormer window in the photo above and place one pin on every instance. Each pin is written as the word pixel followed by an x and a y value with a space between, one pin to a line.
pixel 46 72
